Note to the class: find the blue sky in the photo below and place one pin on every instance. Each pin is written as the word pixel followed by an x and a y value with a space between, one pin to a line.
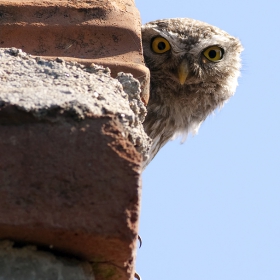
pixel 211 206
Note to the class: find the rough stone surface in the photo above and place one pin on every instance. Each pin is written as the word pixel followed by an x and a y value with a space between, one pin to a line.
pixel 70 167
pixel 105 32
pixel 40 86
pixel 28 263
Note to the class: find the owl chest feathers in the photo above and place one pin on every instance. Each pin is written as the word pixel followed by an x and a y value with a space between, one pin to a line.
pixel 180 110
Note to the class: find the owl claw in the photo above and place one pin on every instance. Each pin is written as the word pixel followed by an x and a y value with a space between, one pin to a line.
pixel 137 276
pixel 140 241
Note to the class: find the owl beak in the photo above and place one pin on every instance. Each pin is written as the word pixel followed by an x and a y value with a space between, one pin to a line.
pixel 183 71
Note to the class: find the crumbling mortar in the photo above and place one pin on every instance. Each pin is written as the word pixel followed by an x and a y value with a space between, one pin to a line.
pixel 41 87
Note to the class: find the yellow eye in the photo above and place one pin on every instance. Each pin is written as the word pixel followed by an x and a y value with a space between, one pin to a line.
pixel 214 53
pixel 160 45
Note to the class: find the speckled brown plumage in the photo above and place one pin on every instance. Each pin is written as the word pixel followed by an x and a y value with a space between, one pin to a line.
pixel 178 105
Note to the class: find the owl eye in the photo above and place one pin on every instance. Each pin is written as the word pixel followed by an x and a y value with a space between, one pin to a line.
pixel 160 45
pixel 214 53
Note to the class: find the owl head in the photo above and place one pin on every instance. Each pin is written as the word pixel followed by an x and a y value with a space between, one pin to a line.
pixel 194 69
pixel 187 52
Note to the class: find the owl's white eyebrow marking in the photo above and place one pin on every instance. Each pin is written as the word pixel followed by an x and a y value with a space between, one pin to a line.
pixel 202 44
pixel 219 38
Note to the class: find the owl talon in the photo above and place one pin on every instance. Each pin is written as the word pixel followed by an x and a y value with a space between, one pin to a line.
pixel 140 241
pixel 137 276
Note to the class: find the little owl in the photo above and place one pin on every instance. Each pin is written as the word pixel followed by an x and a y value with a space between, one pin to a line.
pixel 194 69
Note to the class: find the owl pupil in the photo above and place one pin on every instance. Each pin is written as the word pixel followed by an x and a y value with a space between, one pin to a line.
pixel 212 54
pixel 161 46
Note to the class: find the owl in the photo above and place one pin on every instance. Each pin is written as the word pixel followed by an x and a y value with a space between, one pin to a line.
pixel 194 69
